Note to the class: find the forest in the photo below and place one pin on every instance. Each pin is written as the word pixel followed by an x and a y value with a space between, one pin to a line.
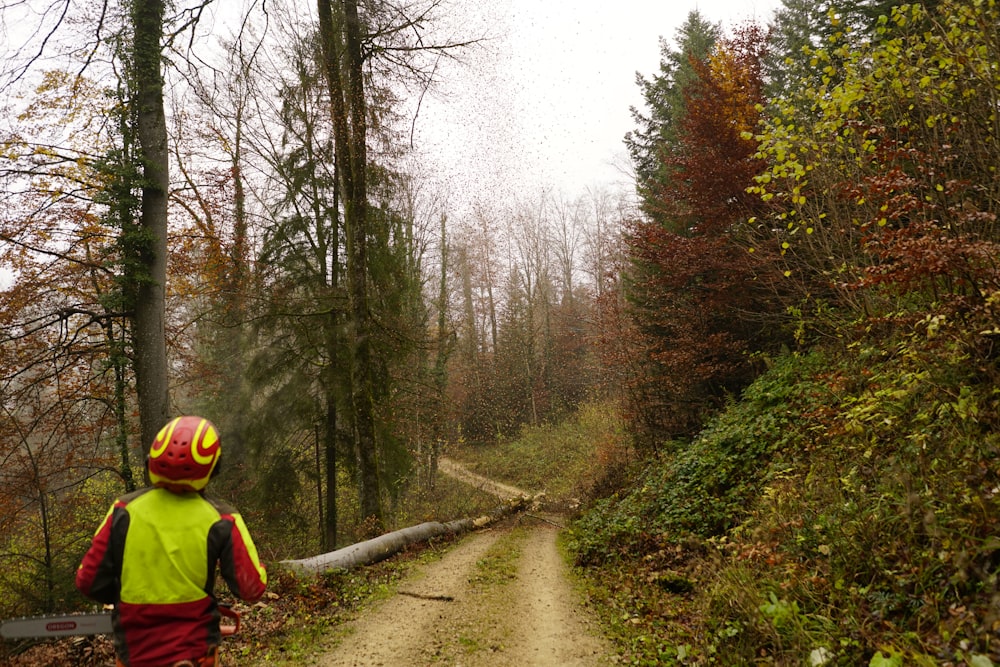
pixel 794 315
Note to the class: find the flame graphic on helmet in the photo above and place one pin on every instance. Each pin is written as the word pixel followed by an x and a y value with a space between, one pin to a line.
pixel 206 443
pixel 184 454
pixel 163 439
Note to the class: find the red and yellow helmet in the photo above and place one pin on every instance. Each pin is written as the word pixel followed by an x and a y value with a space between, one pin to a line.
pixel 184 454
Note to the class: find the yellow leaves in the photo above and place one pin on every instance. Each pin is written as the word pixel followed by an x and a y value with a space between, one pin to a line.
pixel 10 150
pixel 65 95
pixel 45 151
pixel 61 104
pixel 736 82
pixel 917 92
pixel 66 119
pixel 934 324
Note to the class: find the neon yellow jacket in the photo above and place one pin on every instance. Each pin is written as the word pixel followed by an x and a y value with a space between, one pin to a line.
pixel 155 557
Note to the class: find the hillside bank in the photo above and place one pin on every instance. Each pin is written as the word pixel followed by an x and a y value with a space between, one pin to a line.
pixel 844 511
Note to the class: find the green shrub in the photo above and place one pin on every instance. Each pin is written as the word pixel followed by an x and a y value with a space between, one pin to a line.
pixel 845 510
pixel 706 486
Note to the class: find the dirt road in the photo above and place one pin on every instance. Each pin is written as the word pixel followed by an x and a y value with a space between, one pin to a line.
pixel 455 469
pixel 501 597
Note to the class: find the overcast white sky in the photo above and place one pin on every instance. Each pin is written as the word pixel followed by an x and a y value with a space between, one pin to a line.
pixel 546 103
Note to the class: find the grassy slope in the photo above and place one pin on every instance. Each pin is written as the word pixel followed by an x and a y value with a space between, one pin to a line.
pixel 566 461
pixel 845 511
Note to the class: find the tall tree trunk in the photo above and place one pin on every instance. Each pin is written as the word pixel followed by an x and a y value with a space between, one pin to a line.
pixel 121 433
pixel 334 342
pixel 235 304
pixel 441 363
pixel 471 350
pixel 330 452
pixel 347 94
pixel 149 339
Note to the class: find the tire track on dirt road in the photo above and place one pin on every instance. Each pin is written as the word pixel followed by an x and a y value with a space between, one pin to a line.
pixel 401 631
pixel 454 614
pixel 557 630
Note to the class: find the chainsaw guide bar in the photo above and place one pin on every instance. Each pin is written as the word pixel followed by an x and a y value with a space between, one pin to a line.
pixel 65 625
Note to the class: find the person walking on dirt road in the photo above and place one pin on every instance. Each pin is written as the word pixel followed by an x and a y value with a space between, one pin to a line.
pixel 155 555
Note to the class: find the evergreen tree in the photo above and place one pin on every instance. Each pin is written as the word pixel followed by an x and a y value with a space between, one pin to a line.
pixel 694 291
pixel 308 330
pixel 660 127
pixel 400 338
pixel 341 37
pixel 300 369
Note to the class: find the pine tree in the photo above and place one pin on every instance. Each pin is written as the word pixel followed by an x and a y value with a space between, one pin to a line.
pixel 692 287
pixel 660 127
pixel 300 367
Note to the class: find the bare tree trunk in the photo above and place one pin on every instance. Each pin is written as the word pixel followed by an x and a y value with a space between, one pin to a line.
pixel 471 348
pixel 236 306
pixel 441 363
pixel 330 452
pixel 487 259
pixel 347 95
pixel 334 340
pixel 148 330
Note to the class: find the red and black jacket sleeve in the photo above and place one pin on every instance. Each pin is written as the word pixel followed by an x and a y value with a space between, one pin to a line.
pixel 99 575
pixel 239 563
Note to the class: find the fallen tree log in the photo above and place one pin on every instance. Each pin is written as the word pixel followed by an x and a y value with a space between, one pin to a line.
pixel 382 547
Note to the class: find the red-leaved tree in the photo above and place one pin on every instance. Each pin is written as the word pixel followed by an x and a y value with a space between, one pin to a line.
pixel 696 293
